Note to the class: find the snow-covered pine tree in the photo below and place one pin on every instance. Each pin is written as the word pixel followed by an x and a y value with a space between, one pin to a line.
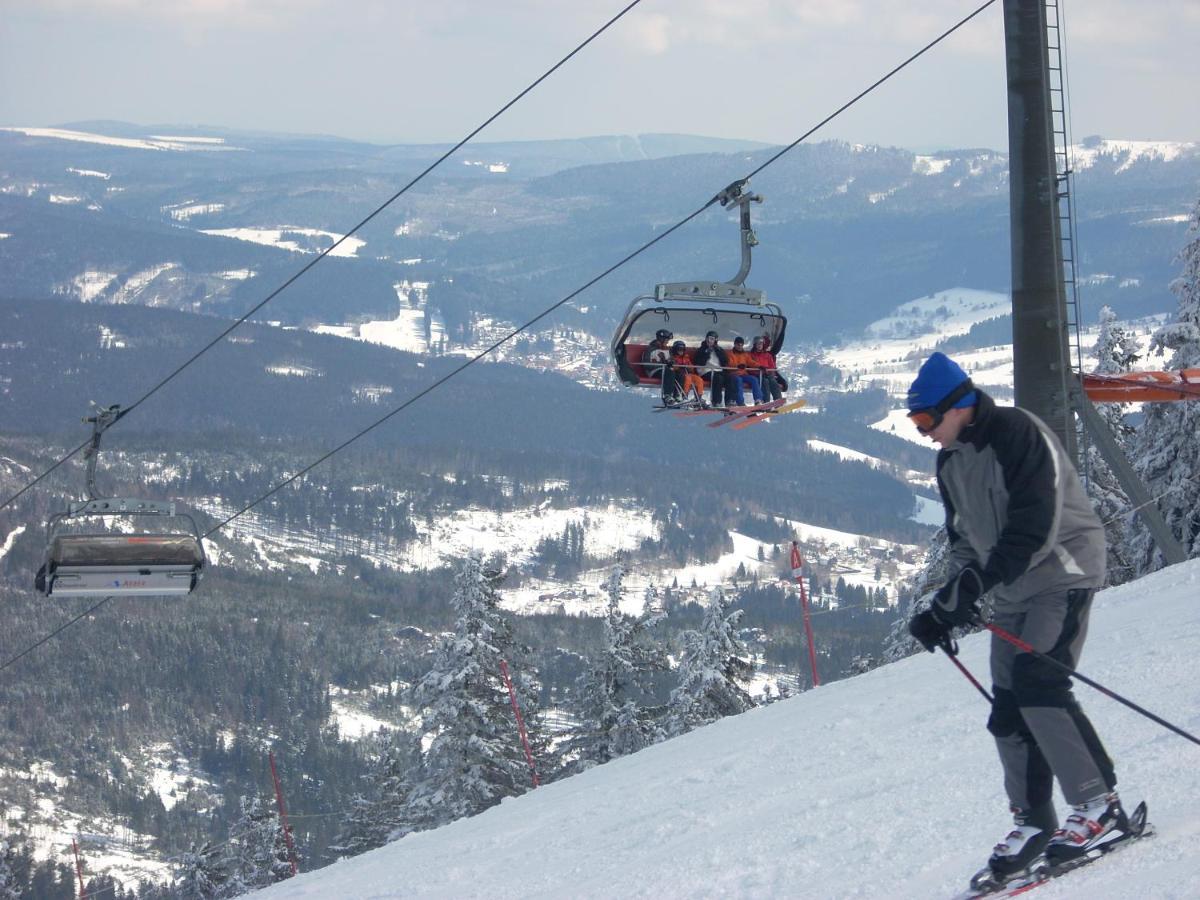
pixel 257 849
pixel 475 758
pixel 714 665
pixel 201 874
pixel 380 815
pixel 1167 452
pixel 615 695
pixel 899 643
pixel 1116 352
pixel 9 889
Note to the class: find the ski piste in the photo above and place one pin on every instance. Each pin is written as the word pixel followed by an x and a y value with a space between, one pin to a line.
pixel 734 413
pixel 770 414
pixel 1043 874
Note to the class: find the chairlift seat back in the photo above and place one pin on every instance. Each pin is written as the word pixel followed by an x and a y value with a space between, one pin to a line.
pixel 89 563
pixel 129 550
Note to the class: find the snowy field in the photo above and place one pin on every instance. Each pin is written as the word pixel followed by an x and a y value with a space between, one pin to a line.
pixel 150 142
pixel 277 237
pixel 884 785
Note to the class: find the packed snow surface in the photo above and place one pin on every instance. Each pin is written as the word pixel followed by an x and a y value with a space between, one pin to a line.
pixel 884 785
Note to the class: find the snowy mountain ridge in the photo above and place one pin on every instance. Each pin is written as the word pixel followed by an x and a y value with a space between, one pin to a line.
pixel 881 785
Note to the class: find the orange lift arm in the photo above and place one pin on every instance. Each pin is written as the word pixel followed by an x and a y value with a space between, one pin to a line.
pixel 1143 387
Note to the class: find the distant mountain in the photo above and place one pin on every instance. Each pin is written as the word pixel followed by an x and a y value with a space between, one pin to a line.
pixel 502 230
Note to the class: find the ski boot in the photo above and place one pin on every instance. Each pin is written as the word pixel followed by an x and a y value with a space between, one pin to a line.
pixel 1013 859
pixel 1100 820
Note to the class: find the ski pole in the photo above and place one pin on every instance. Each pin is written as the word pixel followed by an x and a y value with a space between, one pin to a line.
pixel 951 650
pixel 1021 645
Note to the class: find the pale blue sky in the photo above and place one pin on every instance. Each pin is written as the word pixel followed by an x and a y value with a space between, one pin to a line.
pixel 405 71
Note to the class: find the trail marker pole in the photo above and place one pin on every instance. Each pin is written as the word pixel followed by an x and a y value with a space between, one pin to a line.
pixel 79 870
pixel 512 697
pixel 283 820
pixel 798 574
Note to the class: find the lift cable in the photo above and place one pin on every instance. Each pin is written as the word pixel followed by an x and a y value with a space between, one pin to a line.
pixel 472 360
pixel 555 306
pixel 55 633
pixel 328 250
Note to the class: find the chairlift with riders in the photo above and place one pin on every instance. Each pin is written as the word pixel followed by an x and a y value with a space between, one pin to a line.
pixel 688 310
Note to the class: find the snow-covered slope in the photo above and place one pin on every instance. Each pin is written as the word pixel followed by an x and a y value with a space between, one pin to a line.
pixel 884 785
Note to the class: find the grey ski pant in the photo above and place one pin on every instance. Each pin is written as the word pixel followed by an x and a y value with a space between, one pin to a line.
pixel 1041 732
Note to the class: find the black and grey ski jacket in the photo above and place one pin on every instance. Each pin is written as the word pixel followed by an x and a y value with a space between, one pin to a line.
pixel 1015 505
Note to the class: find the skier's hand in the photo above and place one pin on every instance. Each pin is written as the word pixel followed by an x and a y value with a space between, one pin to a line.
pixel 931 633
pixel 957 601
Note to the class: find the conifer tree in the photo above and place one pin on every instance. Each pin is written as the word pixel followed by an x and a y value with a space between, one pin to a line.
pixel 475 758
pixel 714 665
pixel 258 853
pixel 380 814
pixel 1116 352
pixel 9 889
pixel 201 874
pixel 1167 452
pixel 899 643
pixel 615 694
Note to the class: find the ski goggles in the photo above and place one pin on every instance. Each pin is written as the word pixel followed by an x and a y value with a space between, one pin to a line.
pixel 931 417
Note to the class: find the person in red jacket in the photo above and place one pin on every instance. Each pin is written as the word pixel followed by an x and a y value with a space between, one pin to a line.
pixel 741 373
pixel 773 385
pixel 685 371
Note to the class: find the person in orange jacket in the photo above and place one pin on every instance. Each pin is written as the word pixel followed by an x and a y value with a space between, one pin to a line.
pixel 741 365
pixel 773 384
pixel 685 371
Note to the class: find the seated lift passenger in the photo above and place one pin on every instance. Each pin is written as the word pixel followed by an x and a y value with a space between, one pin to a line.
pixel 685 372
pixel 772 382
pixel 711 362
pixel 741 363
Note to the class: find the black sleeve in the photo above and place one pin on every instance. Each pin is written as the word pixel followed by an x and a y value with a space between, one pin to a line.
pixel 1034 495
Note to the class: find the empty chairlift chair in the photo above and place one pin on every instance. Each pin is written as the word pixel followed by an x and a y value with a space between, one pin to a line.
pixel 85 557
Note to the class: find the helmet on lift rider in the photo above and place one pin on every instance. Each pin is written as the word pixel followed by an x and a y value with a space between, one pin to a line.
pixel 663 335
pixel 678 347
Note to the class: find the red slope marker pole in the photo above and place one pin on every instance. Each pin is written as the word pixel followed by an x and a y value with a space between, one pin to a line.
pixel 512 697
pixel 287 829
pixel 950 648
pixel 798 574
pixel 79 870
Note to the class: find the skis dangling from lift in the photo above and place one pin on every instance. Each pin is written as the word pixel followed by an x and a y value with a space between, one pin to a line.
pixel 736 413
pixel 769 414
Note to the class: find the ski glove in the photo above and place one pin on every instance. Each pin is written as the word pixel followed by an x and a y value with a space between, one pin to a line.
pixel 931 633
pixel 957 601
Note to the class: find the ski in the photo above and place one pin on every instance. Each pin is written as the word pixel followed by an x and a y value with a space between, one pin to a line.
pixel 1045 873
pixel 682 405
pixel 770 414
pixel 735 413
pixel 701 411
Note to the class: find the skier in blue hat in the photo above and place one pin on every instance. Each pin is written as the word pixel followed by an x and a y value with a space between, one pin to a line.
pixel 1021 528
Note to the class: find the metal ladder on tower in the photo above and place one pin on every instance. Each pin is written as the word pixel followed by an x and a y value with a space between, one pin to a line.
pixel 1064 177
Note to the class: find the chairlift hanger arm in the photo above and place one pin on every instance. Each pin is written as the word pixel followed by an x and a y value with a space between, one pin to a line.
pixel 732 194
pixel 104 417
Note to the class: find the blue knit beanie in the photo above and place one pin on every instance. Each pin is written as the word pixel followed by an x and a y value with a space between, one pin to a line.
pixel 938 376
